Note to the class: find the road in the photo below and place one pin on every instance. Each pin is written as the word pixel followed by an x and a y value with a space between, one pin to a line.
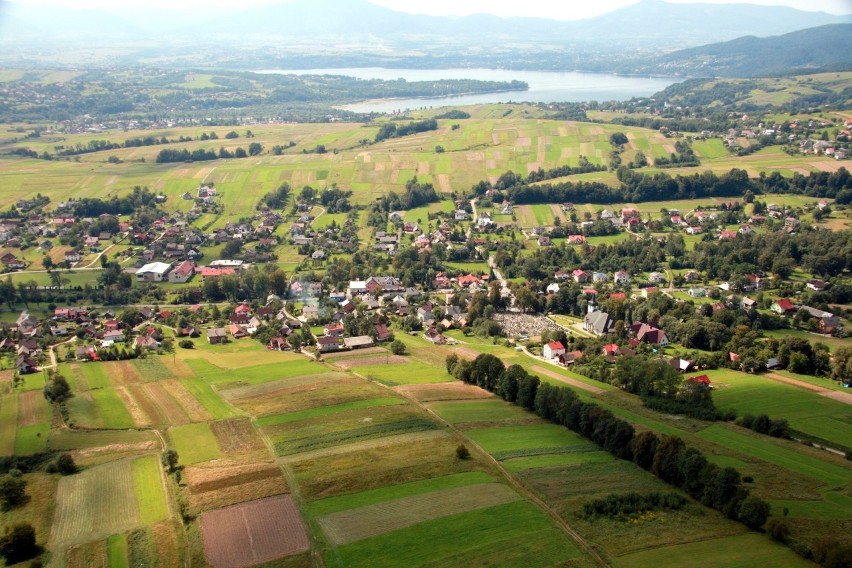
pixel 505 292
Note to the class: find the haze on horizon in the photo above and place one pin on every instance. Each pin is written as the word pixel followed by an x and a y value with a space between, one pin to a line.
pixel 501 8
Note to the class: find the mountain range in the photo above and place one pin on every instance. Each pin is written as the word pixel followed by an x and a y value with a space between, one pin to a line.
pixel 647 23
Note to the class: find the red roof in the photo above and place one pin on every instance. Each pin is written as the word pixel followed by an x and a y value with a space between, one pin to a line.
pixel 785 304
pixel 610 348
pixel 555 345
pixel 703 379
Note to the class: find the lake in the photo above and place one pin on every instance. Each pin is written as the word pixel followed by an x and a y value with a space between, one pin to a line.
pixel 545 86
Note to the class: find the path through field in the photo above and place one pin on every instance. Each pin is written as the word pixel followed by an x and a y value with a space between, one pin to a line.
pixel 843 397
pixel 567 380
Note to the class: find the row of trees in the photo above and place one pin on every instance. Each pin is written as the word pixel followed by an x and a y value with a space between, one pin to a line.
pixel 668 457
pixel 168 155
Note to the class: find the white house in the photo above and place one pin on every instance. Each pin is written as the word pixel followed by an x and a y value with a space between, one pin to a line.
pixel 182 272
pixel 622 278
pixel 553 350
pixel 153 272
pixel 553 288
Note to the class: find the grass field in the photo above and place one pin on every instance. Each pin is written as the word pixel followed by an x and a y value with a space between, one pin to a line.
pixel 481 411
pixel 194 443
pixel 489 541
pixel 148 486
pixel 532 440
pixel 405 374
pixel 326 411
pixel 806 411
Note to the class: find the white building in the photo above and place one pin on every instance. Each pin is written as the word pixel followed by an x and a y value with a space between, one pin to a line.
pixel 153 272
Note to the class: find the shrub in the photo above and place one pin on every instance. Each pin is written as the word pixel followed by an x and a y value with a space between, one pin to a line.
pixel 778 530
pixel 12 491
pixel 65 464
pixel 462 452
pixel 186 344
pixel 397 347
pixel 18 543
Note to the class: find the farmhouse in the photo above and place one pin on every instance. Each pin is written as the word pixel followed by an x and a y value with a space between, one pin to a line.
pixel 217 335
pixel 182 272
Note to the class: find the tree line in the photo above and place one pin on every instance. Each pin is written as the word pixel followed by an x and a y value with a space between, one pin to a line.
pixel 169 155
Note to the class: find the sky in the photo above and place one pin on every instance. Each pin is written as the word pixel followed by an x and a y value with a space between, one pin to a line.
pixel 561 10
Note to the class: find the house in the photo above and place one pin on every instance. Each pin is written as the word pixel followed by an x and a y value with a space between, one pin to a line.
pixel 694 230
pixel 622 278
pixel 86 353
pixel 702 379
pixel 145 342
pixel 357 287
pixel 697 292
pixel 576 240
pixel 552 288
pixel 217 335
pixel 182 272
pixel 610 350
pixel 460 215
pixel 656 277
pixel 599 323
pixel 829 324
pixel 726 234
pixel 816 285
pixel 73 256
pixel 600 277
pixel 153 272
pixel 544 241
pixel 649 334
pixel 681 365
pixel 485 220
pixel 580 276
pixel 553 350
pixel 24 364
pixel 783 306
pixel 506 208
pixel 116 336
pixel 433 335
pixel 326 344
pixel 561 275
pixel 238 331
pixel 334 329
pixel 382 333
pixel 691 276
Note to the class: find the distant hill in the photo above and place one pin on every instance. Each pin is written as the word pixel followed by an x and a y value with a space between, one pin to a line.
pixel 359 26
pixel 824 48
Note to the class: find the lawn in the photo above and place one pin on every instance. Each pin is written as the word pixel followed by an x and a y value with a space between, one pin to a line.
pixel 194 443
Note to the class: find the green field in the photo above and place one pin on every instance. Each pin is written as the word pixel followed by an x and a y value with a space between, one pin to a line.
pixel 480 411
pixel 528 541
pixel 404 374
pixel 32 439
pixel 326 411
pixel 111 409
pixel 194 443
pixel 148 485
pixel 806 411
pixel 523 441
pixel 775 452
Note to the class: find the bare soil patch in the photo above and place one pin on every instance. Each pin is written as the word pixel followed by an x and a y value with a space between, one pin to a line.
pixel 353 525
pixel 443 391
pixel 89 555
pixel 444 183
pixel 137 391
pixel 523 142
pixel 567 380
pixel 831 166
pixel 843 397
pixel 236 436
pixel 32 409
pixel 254 532
pixel 213 485
pixel 123 373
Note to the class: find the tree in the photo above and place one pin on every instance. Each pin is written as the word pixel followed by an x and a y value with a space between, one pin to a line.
pixel 753 512
pixel 65 464
pixel 18 544
pixel 255 148
pixel 841 367
pixel 397 347
pixel 240 153
pixel 57 389
pixel 170 460
pixel 231 135
pixel 13 491
pixel 462 452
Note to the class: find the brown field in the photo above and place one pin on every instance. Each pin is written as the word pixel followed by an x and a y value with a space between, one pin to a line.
pixel 236 436
pixel 273 387
pixel 251 533
pixel 123 373
pixel 364 361
pixel 32 408
pixel 166 405
pixel 89 555
pixel 167 543
pixel 567 380
pixel 465 352
pixel 193 408
pixel 138 393
pixel 443 391
pixel 363 522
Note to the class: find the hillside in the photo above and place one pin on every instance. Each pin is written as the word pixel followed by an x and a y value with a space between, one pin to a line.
pixel 822 48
